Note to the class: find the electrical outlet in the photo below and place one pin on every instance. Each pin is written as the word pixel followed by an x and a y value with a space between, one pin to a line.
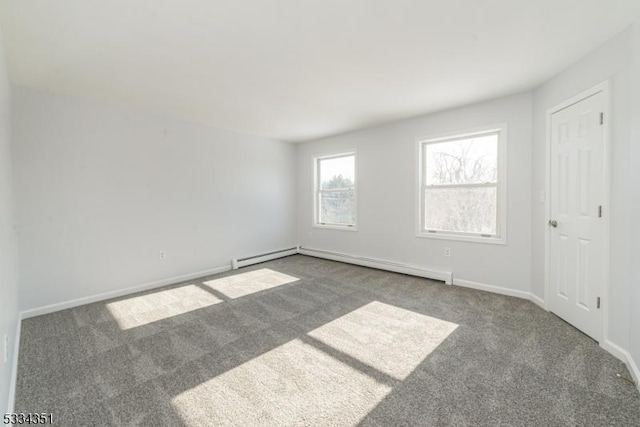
pixel 162 255
pixel 447 251
pixel 6 348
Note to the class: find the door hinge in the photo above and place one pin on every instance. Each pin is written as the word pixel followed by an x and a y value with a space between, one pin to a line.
pixel 600 211
pixel 598 302
pixel 601 118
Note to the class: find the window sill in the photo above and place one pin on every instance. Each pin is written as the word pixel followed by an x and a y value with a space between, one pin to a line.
pixel 335 227
pixel 462 238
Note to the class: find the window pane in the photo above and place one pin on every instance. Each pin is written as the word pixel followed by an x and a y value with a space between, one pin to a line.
pixel 469 210
pixel 338 207
pixel 464 161
pixel 338 172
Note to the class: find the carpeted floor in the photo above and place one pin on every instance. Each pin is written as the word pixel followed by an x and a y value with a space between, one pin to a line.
pixel 302 341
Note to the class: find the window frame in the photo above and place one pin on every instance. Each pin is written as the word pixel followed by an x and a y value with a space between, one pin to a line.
pixel 317 191
pixel 501 185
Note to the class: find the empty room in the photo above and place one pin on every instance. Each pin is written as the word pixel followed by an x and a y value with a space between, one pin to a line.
pixel 320 213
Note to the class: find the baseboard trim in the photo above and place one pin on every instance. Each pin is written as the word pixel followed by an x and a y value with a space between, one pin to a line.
pixel 411 270
pixel 538 301
pixel 635 371
pixel 626 357
pixel 14 367
pixel 615 350
pixel 257 259
pixel 120 292
pixel 491 288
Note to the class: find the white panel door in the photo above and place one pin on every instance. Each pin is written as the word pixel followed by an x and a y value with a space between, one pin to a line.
pixel 577 245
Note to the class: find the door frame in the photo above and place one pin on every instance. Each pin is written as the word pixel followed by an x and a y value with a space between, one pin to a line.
pixel 605 88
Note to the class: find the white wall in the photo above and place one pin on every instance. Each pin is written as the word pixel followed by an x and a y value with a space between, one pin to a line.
pixel 386 179
pixel 102 189
pixel 8 248
pixel 634 332
pixel 611 61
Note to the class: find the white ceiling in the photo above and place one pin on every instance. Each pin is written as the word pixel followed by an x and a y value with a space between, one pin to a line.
pixel 300 69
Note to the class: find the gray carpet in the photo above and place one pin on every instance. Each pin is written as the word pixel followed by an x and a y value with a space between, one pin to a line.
pixel 302 341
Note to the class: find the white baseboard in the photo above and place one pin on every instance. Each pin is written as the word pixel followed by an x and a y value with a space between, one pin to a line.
pixel 256 259
pixel 491 288
pixel 120 292
pixel 626 357
pixel 635 371
pixel 412 270
pixel 538 301
pixel 14 367
pixel 615 350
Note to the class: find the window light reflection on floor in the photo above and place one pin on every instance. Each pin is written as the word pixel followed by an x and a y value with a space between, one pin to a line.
pixel 152 307
pixel 391 339
pixel 250 282
pixel 293 384
pixel 144 309
pixel 339 371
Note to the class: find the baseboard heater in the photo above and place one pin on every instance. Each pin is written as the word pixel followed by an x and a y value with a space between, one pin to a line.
pixel 445 276
pixel 268 256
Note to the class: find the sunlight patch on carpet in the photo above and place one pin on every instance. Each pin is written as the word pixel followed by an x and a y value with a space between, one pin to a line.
pixel 250 282
pixel 391 339
pixel 151 307
pixel 293 384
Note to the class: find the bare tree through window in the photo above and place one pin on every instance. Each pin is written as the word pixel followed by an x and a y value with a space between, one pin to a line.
pixel 336 191
pixel 460 185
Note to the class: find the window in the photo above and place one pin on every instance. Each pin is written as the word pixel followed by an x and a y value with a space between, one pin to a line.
pixel 335 191
pixel 462 191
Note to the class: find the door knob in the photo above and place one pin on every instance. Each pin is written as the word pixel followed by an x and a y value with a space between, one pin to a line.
pixel 553 223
